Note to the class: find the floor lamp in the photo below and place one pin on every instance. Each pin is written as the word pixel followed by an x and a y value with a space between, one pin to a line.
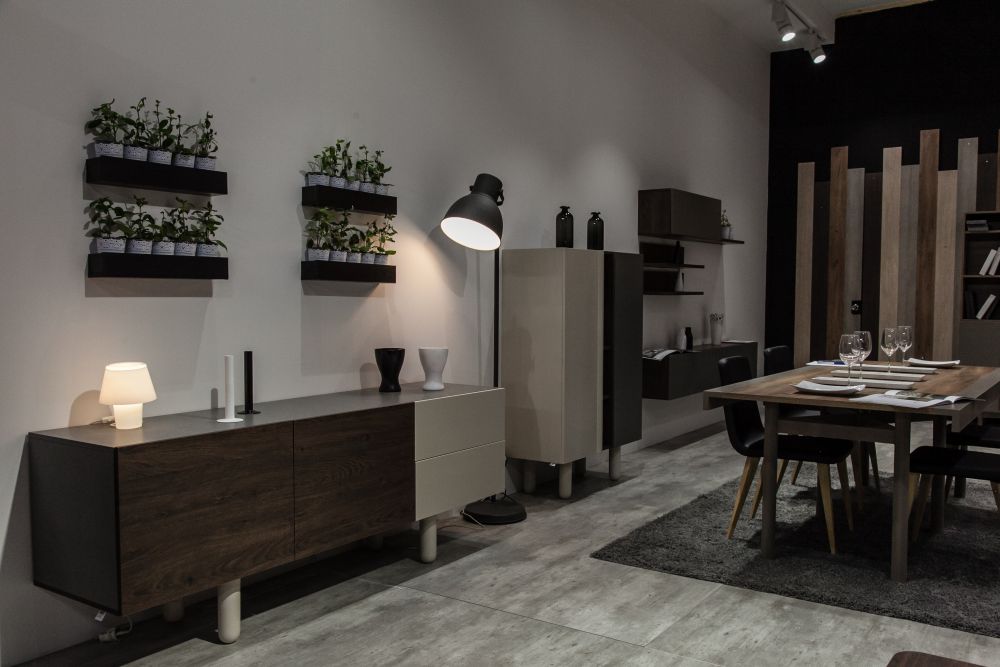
pixel 475 222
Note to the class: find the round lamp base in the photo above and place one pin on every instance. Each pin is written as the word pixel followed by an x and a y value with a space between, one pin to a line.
pixel 495 511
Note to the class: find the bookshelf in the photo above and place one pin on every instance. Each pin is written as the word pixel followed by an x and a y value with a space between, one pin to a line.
pixel 977 337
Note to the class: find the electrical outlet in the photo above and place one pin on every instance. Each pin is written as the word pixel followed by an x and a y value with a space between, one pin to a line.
pixel 856 307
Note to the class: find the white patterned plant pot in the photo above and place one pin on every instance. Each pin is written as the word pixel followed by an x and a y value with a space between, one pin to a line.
pixel 317 255
pixel 317 178
pixel 206 163
pixel 185 249
pixel 105 149
pixel 354 257
pixel 381 189
pixel 207 250
pixel 182 160
pixel 368 187
pixel 368 258
pixel 338 255
pixel 100 245
pixel 338 181
pixel 157 156
pixel 381 259
pixel 353 185
pixel 136 153
pixel 138 247
pixel 163 247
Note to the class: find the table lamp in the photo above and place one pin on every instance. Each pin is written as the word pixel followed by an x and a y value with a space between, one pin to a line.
pixel 126 387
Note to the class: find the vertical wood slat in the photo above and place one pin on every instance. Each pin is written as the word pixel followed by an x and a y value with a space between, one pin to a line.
pixel 997 208
pixel 820 275
pixel 965 202
pixel 888 299
pixel 908 196
pixel 944 265
pixel 871 262
pixel 986 182
pixel 853 244
pixel 803 260
pixel 837 249
pixel 923 326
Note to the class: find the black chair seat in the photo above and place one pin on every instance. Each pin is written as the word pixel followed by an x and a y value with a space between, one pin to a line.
pixel 806 448
pixel 795 412
pixel 974 435
pixel 955 462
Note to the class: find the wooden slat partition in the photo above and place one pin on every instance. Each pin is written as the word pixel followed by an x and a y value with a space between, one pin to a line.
pixel 997 207
pixel 986 182
pixel 803 260
pixel 923 325
pixel 853 244
pixel 908 204
pixel 871 263
pixel 944 265
pixel 837 250
pixel 889 286
pixel 820 274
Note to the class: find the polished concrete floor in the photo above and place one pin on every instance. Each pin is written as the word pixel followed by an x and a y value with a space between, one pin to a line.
pixel 529 594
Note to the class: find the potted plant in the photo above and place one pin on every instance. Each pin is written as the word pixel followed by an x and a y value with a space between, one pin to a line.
pixel 107 126
pixel 161 135
pixel 340 237
pixel 355 245
pixel 205 144
pixel 384 235
pixel 362 170
pixel 104 226
pixel 318 235
pixel 355 173
pixel 368 244
pixel 136 135
pixel 166 233
pixel 184 234
pixel 727 229
pixel 376 174
pixel 138 226
pixel 183 146
pixel 208 222
pixel 715 321
pixel 319 173
pixel 338 173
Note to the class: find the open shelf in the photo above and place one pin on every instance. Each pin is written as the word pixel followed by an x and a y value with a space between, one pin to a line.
pixel 669 239
pixel 349 272
pixel 123 173
pixel 686 373
pixel 976 276
pixel 344 199
pixel 667 266
pixel 665 293
pixel 120 265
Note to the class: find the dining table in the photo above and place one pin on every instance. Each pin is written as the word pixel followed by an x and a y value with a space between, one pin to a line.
pixel 840 417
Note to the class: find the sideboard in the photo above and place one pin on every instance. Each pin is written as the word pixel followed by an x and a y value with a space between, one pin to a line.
pixel 128 520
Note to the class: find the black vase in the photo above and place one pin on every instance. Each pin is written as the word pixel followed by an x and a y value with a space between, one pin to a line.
pixel 688 340
pixel 564 228
pixel 595 232
pixel 389 361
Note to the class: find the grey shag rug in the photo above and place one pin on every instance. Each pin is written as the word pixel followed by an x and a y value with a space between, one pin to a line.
pixel 954 576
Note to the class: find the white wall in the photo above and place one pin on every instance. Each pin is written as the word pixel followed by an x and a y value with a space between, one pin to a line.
pixel 573 102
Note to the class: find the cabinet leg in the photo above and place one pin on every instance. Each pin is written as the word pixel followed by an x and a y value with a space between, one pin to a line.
pixel 428 539
pixel 565 480
pixel 229 611
pixel 615 463
pixel 374 542
pixel 173 611
pixel 528 474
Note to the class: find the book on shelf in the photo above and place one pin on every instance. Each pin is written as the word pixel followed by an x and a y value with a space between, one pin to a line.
pixel 996 263
pixel 988 264
pixel 658 353
pixel 977 225
pixel 987 308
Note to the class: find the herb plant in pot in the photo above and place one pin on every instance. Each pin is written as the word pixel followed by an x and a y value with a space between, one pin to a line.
pixel 355 245
pixel 136 136
pixel 104 226
pixel 340 238
pixel 354 171
pixel 727 228
pixel 376 173
pixel 384 235
pixel 319 169
pixel 318 235
pixel 368 246
pixel 108 127
pixel 161 135
pixel 205 144
pixel 183 145
pixel 362 171
pixel 341 157
pixel 138 226
pixel 185 243
pixel 208 221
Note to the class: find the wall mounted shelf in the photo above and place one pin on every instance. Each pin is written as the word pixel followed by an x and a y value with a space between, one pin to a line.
pixel 668 266
pixel 686 373
pixel 113 265
pixel 669 239
pixel 349 272
pixel 120 172
pixel 341 198
pixel 670 293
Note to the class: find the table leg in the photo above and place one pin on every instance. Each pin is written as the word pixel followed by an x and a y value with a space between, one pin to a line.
pixel 769 479
pixel 937 489
pixel 900 496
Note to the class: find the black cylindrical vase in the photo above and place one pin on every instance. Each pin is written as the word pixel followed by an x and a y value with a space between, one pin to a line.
pixel 389 361
pixel 564 228
pixel 595 232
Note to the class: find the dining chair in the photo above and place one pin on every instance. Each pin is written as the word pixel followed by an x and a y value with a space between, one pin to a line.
pixel 926 462
pixel 986 434
pixel 746 435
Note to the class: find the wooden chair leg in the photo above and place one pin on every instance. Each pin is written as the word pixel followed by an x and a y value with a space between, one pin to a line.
pixel 749 472
pixel 947 486
pixel 996 494
pixel 920 505
pixel 859 485
pixel 760 488
pixel 873 457
pixel 845 490
pixel 914 482
pixel 823 475
pixel 795 473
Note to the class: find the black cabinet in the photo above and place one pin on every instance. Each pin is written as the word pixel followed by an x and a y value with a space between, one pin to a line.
pixel 622 348
pixel 686 373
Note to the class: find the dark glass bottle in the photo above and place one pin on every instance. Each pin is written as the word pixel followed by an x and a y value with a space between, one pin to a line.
pixel 688 339
pixel 595 232
pixel 564 228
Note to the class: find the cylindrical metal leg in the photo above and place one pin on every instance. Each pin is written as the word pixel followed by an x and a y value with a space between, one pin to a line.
pixel 428 539
pixel 615 463
pixel 565 480
pixel 374 542
pixel 173 611
pixel 528 473
pixel 229 611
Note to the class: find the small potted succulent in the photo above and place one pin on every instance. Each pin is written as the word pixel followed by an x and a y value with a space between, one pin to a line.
pixel 340 237
pixel 138 226
pixel 108 127
pixel 136 137
pixel 205 144
pixel 376 173
pixel 355 245
pixel 161 135
pixel 341 157
pixel 727 228
pixel 208 221
pixel 384 235
pixel 185 237
pixel 319 168
pixel 318 235
pixel 183 145
pixel 104 226
pixel 362 171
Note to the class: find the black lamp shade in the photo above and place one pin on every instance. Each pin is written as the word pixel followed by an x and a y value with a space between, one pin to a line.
pixel 475 220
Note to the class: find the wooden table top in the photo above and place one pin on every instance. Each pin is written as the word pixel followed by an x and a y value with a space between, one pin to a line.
pixel 980 382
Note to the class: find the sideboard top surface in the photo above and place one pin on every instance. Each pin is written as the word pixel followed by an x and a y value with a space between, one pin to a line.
pixel 203 422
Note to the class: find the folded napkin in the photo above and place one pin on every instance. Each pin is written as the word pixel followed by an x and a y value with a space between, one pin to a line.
pixel 832 390
pixel 913 361
pixel 878 384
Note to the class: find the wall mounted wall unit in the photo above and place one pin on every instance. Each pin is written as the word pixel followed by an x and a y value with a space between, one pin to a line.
pixel 977 337
pixel 120 265
pixel 344 199
pixel 669 214
pixel 348 272
pixel 124 173
pixel 686 373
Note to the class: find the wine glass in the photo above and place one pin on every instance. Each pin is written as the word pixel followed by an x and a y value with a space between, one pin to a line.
pixel 904 340
pixel 864 350
pixel 848 352
pixel 889 343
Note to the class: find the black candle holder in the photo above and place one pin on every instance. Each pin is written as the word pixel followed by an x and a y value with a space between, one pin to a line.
pixel 389 361
pixel 248 385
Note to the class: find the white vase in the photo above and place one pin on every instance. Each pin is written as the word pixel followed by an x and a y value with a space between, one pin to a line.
pixel 716 326
pixel 681 342
pixel 433 360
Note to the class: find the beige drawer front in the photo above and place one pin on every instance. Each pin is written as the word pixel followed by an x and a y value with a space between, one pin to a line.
pixel 454 480
pixel 453 423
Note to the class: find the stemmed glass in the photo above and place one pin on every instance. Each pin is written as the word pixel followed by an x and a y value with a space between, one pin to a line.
pixel 848 352
pixel 889 343
pixel 904 340
pixel 864 349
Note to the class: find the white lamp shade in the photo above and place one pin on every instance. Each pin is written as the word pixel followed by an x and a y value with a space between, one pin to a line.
pixel 470 233
pixel 126 383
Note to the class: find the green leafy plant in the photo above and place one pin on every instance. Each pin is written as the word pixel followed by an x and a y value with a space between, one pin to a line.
pixel 183 145
pixel 383 234
pixel 725 219
pixel 134 122
pixel 343 150
pixel 319 228
pixel 106 124
pixel 358 240
pixel 161 129
pixel 104 219
pixel 208 222
pixel 361 164
pixel 206 140
pixel 137 223
pixel 175 223
pixel 377 168
pixel 340 232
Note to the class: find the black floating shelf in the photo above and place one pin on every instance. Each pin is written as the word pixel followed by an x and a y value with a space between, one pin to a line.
pixel 667 266
pixel 671 238
pixel 653 293
pixel 114 265
pixel 151 176
pixel 349 272
pixel 341 198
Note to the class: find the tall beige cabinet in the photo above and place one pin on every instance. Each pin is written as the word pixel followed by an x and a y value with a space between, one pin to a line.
pixel 552 344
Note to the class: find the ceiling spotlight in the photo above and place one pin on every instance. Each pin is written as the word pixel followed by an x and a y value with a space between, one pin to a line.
pixel 779 14
pixel 815 49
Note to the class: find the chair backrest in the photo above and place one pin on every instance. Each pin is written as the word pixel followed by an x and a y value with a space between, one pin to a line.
pixel 778 359
pixel 742 417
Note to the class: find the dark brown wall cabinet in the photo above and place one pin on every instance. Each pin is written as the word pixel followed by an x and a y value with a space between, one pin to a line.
pixel 671 213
